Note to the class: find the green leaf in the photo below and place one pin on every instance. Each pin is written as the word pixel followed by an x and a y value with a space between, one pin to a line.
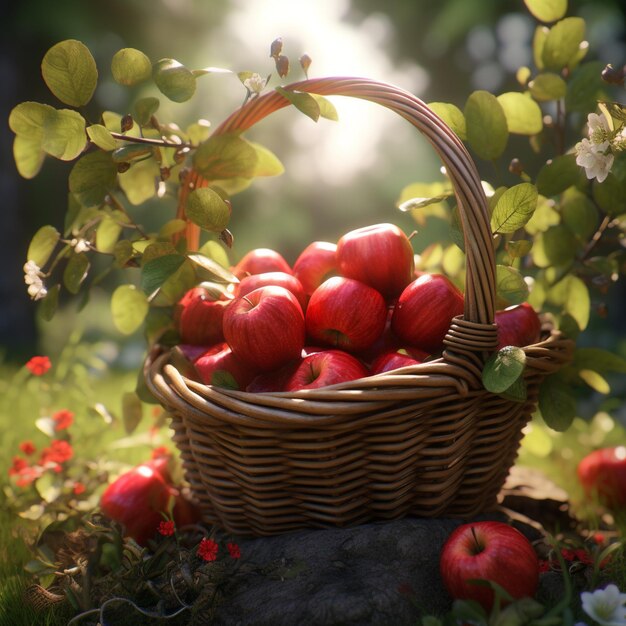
pixel 556 246
pixel 326 107
pixel 514 208
pixel 557 403
pixel 70 72
pixel 419 203
pixel 585 87
pixel 557 175
pixel 610 194
pixel 28 155
pixel 452 116
pixel 547 10
pixel 562 43
pixel 539 40
pixel 131 151
pixel 598 360
pixel 173 289
pixel 517 392
pixel 48 486
pixel 579 214
pixel 544 216
pixel 42 245
pixel 510 285
pixel 64 134
pixel 503 369
pixel 75 272
pixel 223 378
pixel 123 252
pixel 523 115
pixel 212 268
pixel 487 131
pixel 174 80
pixel 547 86
pixel 156 271
pixel 145 108
pixel 172 227
pixel 132 411
pixel 572 295
pixel 49 305
pixel 101 137
pixel 595 381
pixel 140 182
pixel 226 156
pixel 108 233
pixel 199 131
pixel 304 102
pixel 518 249
pixel 130 67
pixel 207 209
pixel 92 177
pixel 28 119
pixel 267 163
pixel 215 251
pixel 129 308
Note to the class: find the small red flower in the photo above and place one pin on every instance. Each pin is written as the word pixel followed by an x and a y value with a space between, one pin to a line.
pixel 38 365
pixel 24 472
pixel 568 555
pixel 62 419
pixel 544 565
pixel 167 528
pixel 583 556
pixel 27 447
pixel 59 451
pixel 598 538
pixel 17 466
pixel 78 488
pixel 233 550
pixel 207 549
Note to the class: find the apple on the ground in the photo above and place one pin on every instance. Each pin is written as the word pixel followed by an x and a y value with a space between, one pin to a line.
pixel 602 474
pixel 316 263
pixel 327 367
pixel 345 314
pixel 380 256
pixel 265 328
pixel 489 551
pixel 424 311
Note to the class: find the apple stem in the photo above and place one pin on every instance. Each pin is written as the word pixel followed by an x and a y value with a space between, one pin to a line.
pixel 248 300
pixel 479 548
pixel 412 235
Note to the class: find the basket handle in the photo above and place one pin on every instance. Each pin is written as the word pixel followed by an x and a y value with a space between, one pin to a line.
pixel 480 283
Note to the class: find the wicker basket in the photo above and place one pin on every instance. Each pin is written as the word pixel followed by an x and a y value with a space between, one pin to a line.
pixel 427 440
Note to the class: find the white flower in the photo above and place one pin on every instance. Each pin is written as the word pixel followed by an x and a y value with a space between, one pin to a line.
pixel 33 278
pixel 598 128
pixel 591 156
pixel 254 84
pixel 80 245
pixel 606 606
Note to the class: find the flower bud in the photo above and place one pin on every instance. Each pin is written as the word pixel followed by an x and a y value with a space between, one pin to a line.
pixel 276 48
pixel 282 65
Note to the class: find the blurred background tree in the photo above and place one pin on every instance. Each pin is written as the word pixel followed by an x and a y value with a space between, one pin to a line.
pixel 338 176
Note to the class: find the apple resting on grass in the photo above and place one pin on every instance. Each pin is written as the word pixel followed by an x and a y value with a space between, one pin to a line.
pixel 518 325
pixel 328 367
pixel 280 279
pixel 220 367
pixel 259 261
pixel 346 314
pixel 602 474
pixel 491 551
pixel 422 316
pixel 380 256
pixel 198 316
pixel 265 328
pixel 316 263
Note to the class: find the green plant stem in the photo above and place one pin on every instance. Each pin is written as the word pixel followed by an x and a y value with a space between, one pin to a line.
pixel 162 143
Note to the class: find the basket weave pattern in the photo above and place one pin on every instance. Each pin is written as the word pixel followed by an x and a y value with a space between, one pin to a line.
pixel 427 440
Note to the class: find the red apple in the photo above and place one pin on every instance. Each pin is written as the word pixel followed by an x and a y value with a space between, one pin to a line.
pixel 380 256
pixel 199 315
pixel 192 352
pixel 316 263
pixel 602 474
pixel 282 279
pixel 422 315
pixel 518 325
pixel 137 500
pixel 388 361
pixel 259 261
pixel 185 512
pixel 265 328
pixel 275 380
pixel 387 342
pixel 491 551
pixel 346 313
pixel 220 367
pixel 328 367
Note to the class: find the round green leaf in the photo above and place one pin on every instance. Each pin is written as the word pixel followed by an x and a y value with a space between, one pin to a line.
pixel 130 66
pixel 108 233
pixel 487 131
pixel 139 183
pixel 101 137
pixel 503 369
pixel 156 271
pixel 523 115
pixel 42 245
pixel 539 40
pixel 580 215
pixel 562 43
pixel 610 194
pixel 510 285
pixel 145 108
pixel 92 177
pixel 174 80
pixel 28 155
pixel 514 208
pixel 304 102
pixel 129 308
pixel 557 403
pixel 544 216
pixel 172 227
pixel 70 72
pixel 518 249
pixel 585 88
pixel 215 251
pixel 206 208
pixel 452 116
pixel 64 134
pixel 557 175
pixel 547 86
pixel 556 246
pixel 199 131
pixel 28 118
pixel 75 272
pixel 221 157
pixel 547 10
pixel 572 295
pixel 267 163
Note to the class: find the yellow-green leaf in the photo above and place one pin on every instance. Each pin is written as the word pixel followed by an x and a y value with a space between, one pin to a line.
pixel 562 43
pixel 303 101
pixel 226 156
pixel 28 155
pixel 327 108
pixel 101 137
pixel 207 209
pixel 129 308
pixel 70 72
pixel 557 175
pixel 547 10
pixel 75 272
pixel 145 108
pixel 174 80
pixel 547 86
pixel 511 287
pixel 487 131
pixel 452 116
pixel 108 233
pixel 514 208
pixel 268 164
pixel 130 66
pixel 139 183
pixel 215 251
pixel 572 295
pixel 596 381
pixel 92 177
pixel 64 134
pixel 28 118
pixel 523 115
pixel 42 245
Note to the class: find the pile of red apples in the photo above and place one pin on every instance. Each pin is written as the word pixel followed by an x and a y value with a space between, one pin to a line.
pixel 341 312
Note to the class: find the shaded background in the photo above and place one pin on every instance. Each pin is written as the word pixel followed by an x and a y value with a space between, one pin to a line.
pixel 339 176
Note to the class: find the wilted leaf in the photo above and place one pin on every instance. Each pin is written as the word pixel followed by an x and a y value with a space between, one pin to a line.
pixel 562 43
pixel 510 285
pixel 503 369
pixel 514 208
pixel 556 403
pixel 130 66
pixel 70 72
pixel 547 10
pixel 487 131
pixel 523 115
pixel 547 86
pixel 129 308
pixel 42 245
pixel 557 175
pixel 92 177
pixel 174 80
pixel 452 116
